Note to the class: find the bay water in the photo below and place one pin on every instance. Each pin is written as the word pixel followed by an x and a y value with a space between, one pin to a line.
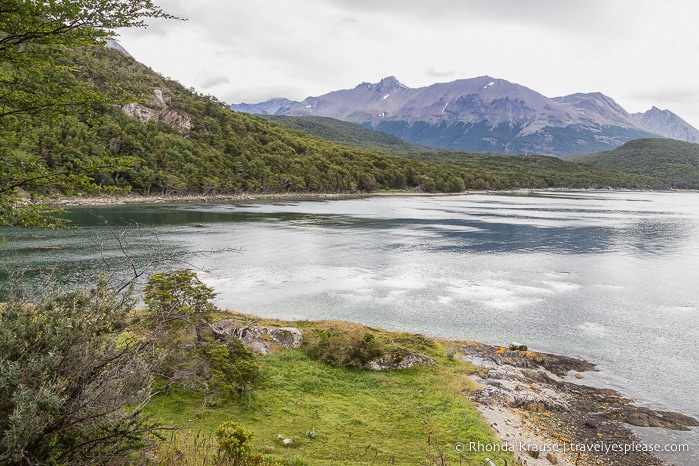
pixel 610 277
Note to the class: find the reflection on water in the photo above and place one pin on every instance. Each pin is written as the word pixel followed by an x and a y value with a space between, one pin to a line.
pixel 610 277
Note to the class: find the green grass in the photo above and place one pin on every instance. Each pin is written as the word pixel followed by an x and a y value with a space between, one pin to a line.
pixel 356 416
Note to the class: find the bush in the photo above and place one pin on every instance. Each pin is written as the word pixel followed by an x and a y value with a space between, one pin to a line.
pixel 234 370
pixel 343 349
pixel 234 442
pixel 179 311
pixel 72 380
pixel 177 300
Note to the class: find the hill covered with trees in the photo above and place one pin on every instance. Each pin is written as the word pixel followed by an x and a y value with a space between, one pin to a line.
pixel 350 134
pixel 525 171
pixel 183 142
pixel 150 135
pixel 675 163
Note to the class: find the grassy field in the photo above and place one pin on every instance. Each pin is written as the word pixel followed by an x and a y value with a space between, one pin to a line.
pixel 337 415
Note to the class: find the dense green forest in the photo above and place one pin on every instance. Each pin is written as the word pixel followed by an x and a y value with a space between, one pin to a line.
pixel 214 151
pixel 351 134
pixel 194 144
pixel 530 171
pixel 542 171
pixel 675 163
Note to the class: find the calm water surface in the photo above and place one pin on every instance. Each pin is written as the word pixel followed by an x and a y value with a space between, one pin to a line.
pixel 609 277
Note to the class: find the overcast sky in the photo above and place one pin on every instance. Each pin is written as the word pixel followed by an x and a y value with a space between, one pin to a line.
pixel 639 52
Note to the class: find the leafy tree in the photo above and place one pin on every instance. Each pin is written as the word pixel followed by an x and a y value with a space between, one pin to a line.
pixel 179 299
pixel 73 380
pixel 33 33
pixel 179 304
pixel 35 81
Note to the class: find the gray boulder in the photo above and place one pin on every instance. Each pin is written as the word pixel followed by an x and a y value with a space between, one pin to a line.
pixel 260 339
pixel 390 362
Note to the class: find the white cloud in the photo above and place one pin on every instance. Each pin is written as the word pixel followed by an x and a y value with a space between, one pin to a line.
pixel 634 51
pixel 208 79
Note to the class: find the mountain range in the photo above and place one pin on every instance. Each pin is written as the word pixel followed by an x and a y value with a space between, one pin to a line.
pixel 167 139
pixel 486 114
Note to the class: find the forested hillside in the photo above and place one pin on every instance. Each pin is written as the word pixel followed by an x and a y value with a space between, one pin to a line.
pixel 153 136
pixel 350 134
pixel 675 163
pixel 530 171
pixel 205 148
pixel 194 144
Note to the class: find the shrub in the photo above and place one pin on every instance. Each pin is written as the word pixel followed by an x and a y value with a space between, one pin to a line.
pixel 179 310
pixel 234 442
pixel 177 300
pixel 72 380
pixel 234 370
pixel 343 349
pixel 414 341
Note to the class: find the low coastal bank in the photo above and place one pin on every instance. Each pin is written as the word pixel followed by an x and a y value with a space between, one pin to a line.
pixel 175 198
pixel 241 197
pixel 537 404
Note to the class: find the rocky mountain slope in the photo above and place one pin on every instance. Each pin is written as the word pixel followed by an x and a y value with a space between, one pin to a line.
pixel 667 124
pixel 485 115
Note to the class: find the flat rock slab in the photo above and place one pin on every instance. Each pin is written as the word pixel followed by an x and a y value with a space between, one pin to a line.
pixel 561 412
pixel 261 339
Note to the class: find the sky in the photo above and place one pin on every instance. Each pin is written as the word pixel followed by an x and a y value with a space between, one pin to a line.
pixel 641 53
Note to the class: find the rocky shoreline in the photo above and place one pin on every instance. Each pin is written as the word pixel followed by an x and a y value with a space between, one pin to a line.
pixel 175 198
pixel 240 197
pixel 541 410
